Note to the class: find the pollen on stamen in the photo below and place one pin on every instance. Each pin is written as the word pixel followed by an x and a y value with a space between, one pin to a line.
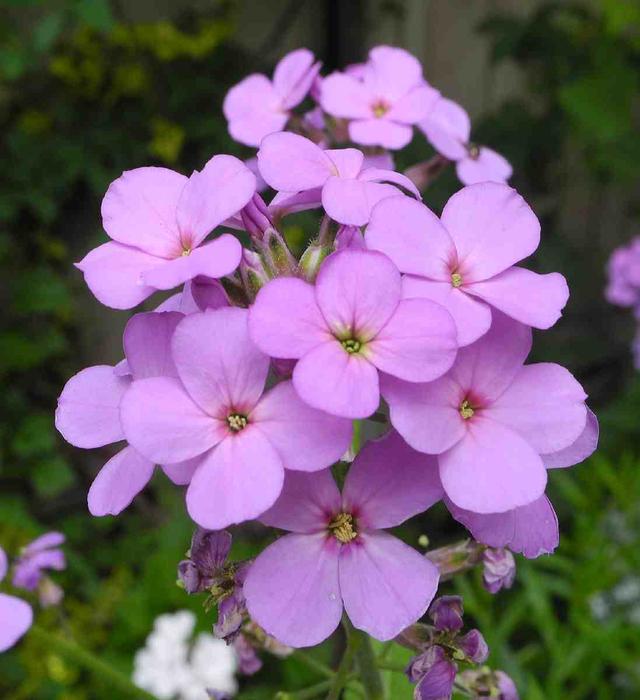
pixel 466 411
pixel 351 345
pixel 185 252
pixel 379 109
pixel 236 422
pixel 456 279
pixel 343 528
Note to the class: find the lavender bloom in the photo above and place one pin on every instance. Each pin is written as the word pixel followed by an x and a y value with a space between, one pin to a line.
pixel 506 687
pixel 42 554
pixel 434 674
pixel 623 287
pixel 474 646
pixel 248 661
pixel 499 569
pixel 446 613
pixel 207 556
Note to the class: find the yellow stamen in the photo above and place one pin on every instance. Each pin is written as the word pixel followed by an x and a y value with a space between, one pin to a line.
pixel 343 528
pixel 456 279
pixel 351 345
pixel 237 422
pixel 465 410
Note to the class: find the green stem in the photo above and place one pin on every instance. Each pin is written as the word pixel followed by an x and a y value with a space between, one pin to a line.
pixel 369 673
pixel 340 680
pixel 313 663
pixel 92 663
pixel 357 436
pixel 390 666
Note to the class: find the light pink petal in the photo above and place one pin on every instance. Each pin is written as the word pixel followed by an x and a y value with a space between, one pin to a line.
pixel 448 128
pixel 285 320
pixel 413 237
pixel 389 483
pixel 113 272
pixel 88 413
pixel 417 344
pixel 307 503
pixel 351 201
pixel 305 438
pixel 218 363
pixel 252 129
pixel 147 344
pixel 285 203
pixel 47 541
pixel 239 480
pixel 584 446
pixel 293 77
pixel 492 228
pixel 341 95
pixel 347 161
pixel 357 292
pixel 533 299
pixel 545 405
pixel 162 422
pixel 211 195
pixel 489 166
pixel 426 415
pixel 386 585
pixel 392 71
pixel 216 259
pixel 17 617
pixel 492 469
pixel 371 174
pixel 181 473
pixel 118 482
pixel 293 592
pixel 380 161
pixel 292 163
pixel 414 106
pixel 380 132
pixel 488 366
pixel 208 293
pixel 530 530
pixel 332 380
pixel 139 210
pixel 472 317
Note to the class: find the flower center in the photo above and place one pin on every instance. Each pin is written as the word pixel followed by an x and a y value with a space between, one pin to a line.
pixel 456 279
pixel 236 422
pixel 185 252
pixel 351 345
pixel 343 528
pixel 473 150
pixel 379 108
pixel 466 410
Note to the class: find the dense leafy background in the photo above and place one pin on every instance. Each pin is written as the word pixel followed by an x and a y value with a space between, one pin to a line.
pixel 85 95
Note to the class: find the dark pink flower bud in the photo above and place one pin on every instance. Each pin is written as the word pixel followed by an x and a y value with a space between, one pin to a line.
pixel 446 613
pixel 256 218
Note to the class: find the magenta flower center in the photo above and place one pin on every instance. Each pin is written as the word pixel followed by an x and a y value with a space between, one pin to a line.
pixel 236 422
pixel 351 345
pixel 456 279
pixel 466 409
pixel 343 528
pixel 380 108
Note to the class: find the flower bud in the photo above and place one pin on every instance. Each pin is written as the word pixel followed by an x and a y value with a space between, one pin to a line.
pixel 474 646
pixel 256 218
pixel 312 259
pixel 506 687
pixel 446 613
pixel 252 273
pixel 248 661
pixel 49 593
pixel 434 674
pixel 499 569
pixel 276 254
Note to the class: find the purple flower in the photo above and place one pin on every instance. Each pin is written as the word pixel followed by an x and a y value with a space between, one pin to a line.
pixel 339 178
pixel 473 646
pixel 499 569
pixel 336 554
pixel 207 556
pixel 157 220
pixel 448 129
pixel 466 260
pixel 495 423
pixel 506 687
pixel 88 413
pixel 446 613
pixel 198 294
pixel 214 409
pixel 42 554
pixel 434 674
pixel 16 615
pixel 623 269
pixel 249 662
pixel 382 99
pixel 347 328
pixel 257 106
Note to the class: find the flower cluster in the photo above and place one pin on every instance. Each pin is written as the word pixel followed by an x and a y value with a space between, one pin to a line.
pixel 245 385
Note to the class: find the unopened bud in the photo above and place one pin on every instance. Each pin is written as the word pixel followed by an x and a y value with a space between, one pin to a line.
pixel 252 273
pixel 312 259
pixel 499 569
pixel 474 646
pixel 276 254
pixel 256 218
pixel 446 613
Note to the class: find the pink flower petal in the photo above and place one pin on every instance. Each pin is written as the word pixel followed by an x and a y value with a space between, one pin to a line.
pixel 17 617
pixel 216 259
pixel 414 106
pixel 380 132
pixel 239 480
pixel 332 380
pixel 219 365
pixel 118 482
pixel 147 344
pixel 380 175
pixel 285 203
pixel 307 503
pixel 341 95
pixel 492 469
pixel 392 72
pixel 530 530
pixel 211 195
pixel 293 77
pixel 291 163
pixel 305 438
pixel 139 210
pixel 293 592
pixel 88 413
pixel 181 473
pixel 351 201
pixel 533 299
pixel 347 161
pixel 113 273
pixel 492 228
pixel 426 415
pixel 472 317
pixel 163 423
pixel 545 405
pixel 418 343
pixel 448 128
pixel 285 320
pixel 583 447
pixel 413 237
pixel 357 292
pixel 389 483
pixel 386 585
pixel 489 166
